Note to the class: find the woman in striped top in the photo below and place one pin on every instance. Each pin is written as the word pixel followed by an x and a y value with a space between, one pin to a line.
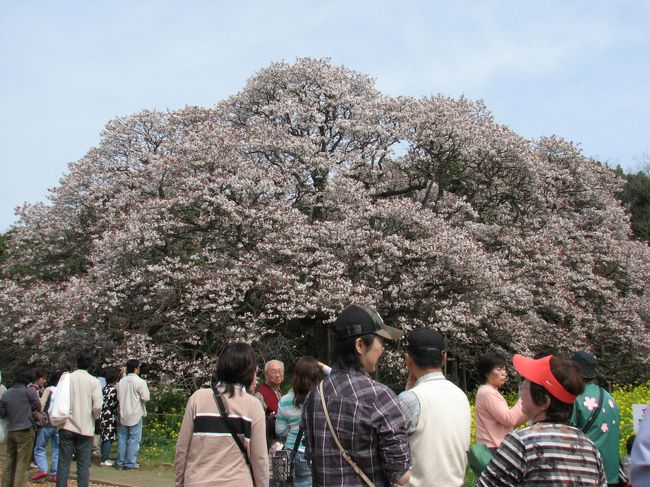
pixel 306 375
pixel 549 452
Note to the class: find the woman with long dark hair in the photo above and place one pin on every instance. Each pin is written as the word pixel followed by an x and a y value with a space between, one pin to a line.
pixel 207 453
pixel 549 451
pixel 306 375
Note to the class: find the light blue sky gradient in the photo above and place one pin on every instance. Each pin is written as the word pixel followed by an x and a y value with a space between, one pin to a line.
pixel 577 69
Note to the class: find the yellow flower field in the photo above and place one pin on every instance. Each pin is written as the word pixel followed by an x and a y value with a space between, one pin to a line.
pixel 625 396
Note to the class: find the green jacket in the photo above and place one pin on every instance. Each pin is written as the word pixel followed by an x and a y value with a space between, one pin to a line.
pixel 604 431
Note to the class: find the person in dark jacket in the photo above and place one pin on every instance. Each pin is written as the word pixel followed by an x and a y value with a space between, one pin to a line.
pixel 16 407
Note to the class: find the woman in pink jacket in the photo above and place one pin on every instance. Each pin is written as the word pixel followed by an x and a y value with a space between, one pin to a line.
pixel 494 418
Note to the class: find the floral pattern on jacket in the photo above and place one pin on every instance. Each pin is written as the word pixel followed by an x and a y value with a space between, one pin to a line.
pixel 110 412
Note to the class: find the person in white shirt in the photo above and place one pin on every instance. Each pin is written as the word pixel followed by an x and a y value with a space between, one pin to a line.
pixel 438 415
pixel 76 435
pixel 132 394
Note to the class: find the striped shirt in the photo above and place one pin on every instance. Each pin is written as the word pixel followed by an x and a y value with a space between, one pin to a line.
pixel 287 422
pixel 545 454
pixel 206 453
pixel 370 425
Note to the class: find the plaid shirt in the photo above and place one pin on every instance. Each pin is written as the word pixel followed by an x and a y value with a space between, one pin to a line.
pixel 370 425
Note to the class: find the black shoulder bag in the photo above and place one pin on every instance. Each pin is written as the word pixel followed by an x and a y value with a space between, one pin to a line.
pixel 224 415
pixel 283 461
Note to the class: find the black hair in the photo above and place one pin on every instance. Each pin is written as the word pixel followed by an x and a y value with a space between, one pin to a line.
pixel 131 365
pixel 54 378
pixel 23 375
pixel 568 374
pixel 487 363
pixel 344 353
pixel 112 375
pixel 236 365
pixel 85 358
pixel 39 373
pixel 542 351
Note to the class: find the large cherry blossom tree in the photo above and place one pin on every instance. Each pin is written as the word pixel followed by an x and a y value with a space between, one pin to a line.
pixel 259 219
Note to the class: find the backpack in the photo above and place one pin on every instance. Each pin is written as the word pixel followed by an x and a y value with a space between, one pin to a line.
pixel 60 406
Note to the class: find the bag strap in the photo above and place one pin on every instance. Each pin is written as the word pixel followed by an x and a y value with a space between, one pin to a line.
pixel 344 453
pixel 296 445
pixel 48 401
pixel 224 415
pixel 595 412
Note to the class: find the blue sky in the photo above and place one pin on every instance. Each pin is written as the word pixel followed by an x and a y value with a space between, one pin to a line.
pixel 577 69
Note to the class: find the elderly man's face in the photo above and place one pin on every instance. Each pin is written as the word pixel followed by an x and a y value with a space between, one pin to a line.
pixel 274 374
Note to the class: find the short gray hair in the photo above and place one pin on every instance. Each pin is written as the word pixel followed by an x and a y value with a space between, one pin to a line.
pixel 271 362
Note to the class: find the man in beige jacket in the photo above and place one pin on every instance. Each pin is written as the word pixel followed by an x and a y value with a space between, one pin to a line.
pixel 76 435
pixel 132 394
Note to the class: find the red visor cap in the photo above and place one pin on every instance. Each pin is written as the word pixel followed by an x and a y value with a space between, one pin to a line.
pixel 539 372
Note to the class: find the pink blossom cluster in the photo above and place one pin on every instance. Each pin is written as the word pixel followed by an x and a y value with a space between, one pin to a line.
pixel 309 190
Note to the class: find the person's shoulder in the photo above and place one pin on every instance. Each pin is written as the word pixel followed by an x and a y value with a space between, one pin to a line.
pixel 202 394
pixel 33 393
pixel 488 390
pixel 454 390
pixel 381 389
pixel 263 387
pixel 522 435
pixel 407 395
pixel 482 391
pixel 609 400
pixel 201 400
pixel 122 385
pixel 591 388
pixel 250 402
pixel 83 375
pixel 287 399
pixel 551 431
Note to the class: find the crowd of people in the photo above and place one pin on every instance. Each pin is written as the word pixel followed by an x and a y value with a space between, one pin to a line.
pixel 76 413
pixel 338 426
